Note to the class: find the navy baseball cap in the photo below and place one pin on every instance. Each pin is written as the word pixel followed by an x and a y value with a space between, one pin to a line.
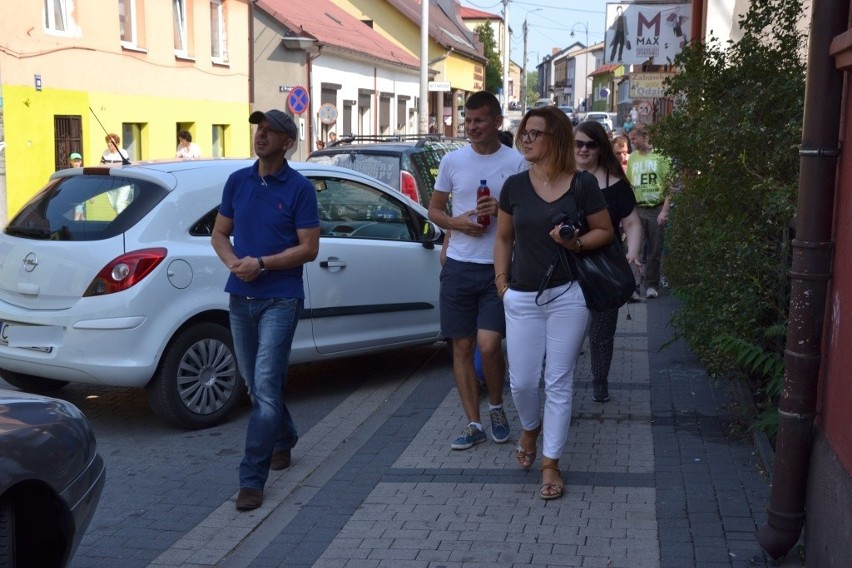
pixel 277 120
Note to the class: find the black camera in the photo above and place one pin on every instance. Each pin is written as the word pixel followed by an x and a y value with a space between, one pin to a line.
pixel 568 224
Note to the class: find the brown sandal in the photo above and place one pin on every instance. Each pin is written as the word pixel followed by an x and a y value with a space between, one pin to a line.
pixel 527 457
pixel 550 491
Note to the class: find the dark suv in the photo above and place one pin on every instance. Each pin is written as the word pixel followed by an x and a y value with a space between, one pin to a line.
pixel 408 164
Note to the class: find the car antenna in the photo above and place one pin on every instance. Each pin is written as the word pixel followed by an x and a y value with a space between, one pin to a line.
pixel 124 160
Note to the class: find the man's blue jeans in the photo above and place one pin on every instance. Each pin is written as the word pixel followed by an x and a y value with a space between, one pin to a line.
pixel 263 330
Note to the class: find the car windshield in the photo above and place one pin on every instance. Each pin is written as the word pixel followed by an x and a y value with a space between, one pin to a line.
pixel 85 208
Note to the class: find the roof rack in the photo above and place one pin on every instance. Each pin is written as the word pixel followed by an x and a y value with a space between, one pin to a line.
pixel 421 139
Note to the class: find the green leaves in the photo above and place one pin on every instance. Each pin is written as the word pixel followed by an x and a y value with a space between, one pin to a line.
pixel 733 139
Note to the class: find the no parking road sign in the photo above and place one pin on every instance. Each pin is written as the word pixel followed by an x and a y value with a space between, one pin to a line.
pixel 298 100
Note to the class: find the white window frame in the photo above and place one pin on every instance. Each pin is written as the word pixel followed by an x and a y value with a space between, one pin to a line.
pixel 50 16
pixel 218 40
pixel 180 25
pixel 131 15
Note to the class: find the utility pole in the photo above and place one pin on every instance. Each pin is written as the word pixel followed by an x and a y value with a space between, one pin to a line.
pixel 524 74
pixel 524 70
pixel 506 53
pixel 423 103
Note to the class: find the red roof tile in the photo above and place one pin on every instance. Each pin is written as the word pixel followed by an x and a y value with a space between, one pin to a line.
pixel 332 26
pixel 607 68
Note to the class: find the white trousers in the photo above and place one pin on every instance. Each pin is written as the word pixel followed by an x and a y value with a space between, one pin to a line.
pixel 548 336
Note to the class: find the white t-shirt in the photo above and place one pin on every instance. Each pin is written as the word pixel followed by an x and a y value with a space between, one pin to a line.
pixel 459 175
pixel 109 157
pixel 188 152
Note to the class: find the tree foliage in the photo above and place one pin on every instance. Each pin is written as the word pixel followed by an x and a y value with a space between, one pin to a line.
pixel 532 87
pixel 493 65
pixel 733 139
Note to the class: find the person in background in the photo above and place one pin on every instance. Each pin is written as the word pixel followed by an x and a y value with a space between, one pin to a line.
pixel 647 172
pixel 75 160
pixel 114 153
pixel 621 147
pixel 594 153
pixel 187 149
pixel 271 211
pixel 320 144
pixel 628 124
pixel 471 311
pixel 332 138
pixel 546 313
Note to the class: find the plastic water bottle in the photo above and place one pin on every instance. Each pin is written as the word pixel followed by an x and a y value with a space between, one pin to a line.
pixel 483 191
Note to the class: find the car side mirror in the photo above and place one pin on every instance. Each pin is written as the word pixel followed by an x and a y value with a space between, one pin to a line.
pixel 431 234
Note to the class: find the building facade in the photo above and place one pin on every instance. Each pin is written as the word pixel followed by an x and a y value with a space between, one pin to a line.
pixel 72 71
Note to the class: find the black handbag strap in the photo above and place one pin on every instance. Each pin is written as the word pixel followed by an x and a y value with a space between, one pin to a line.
pixel 559 256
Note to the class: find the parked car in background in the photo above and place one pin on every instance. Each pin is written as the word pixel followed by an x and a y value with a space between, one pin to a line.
pixel 408 164
pixel 108 277
pixel 601 117
pixel 569 111
pixel 51 478
pixel 543 102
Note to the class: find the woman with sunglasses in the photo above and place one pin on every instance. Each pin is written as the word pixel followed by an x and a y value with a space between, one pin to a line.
pixel 546 312
pixel 594 153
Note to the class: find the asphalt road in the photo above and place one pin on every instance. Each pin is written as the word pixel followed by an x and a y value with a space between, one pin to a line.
pixel 162 481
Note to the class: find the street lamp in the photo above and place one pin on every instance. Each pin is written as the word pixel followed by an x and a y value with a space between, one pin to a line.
pixel 524 79
pixel 586 70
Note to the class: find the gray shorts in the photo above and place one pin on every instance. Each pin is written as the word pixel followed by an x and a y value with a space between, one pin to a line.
pixel 469 300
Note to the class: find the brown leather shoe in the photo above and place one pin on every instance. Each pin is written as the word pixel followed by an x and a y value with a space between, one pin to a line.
pixel 280 459
pixel 249 499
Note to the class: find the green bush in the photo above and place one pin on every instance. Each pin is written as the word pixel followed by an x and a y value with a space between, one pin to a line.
pixel 733 140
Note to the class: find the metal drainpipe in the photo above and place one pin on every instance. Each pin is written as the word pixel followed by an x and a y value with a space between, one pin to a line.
pixel 809 277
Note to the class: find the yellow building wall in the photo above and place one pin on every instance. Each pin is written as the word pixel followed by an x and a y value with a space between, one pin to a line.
pixel 28 116
pixel 87 67
pixel 388 22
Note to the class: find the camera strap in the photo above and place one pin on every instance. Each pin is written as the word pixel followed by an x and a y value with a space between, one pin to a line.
pixel 559 256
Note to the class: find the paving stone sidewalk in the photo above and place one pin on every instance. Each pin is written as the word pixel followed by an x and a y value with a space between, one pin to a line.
pixel 654 478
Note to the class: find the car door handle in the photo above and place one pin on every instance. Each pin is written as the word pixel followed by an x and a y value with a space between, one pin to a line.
pixel 332 263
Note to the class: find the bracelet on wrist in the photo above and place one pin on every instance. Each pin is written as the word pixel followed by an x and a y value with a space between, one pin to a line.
pixel 579 243
pixel 499 275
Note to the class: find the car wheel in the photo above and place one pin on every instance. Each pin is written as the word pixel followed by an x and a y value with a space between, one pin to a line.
pixel 7 533
pixel 197 383
pixel 29 383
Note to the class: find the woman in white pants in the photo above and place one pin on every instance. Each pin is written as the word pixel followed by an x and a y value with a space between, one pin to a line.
pixel 546 313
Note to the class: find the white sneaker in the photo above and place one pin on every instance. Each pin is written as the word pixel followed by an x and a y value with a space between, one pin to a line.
pixel 635 297
pixel 651 293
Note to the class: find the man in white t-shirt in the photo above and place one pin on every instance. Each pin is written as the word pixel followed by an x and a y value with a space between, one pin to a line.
pixel 471 311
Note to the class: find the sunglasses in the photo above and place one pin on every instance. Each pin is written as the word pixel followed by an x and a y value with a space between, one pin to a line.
pixel 590 144
pixel 531 134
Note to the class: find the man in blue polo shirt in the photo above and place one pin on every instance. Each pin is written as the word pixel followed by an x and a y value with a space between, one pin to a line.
pixel 271 211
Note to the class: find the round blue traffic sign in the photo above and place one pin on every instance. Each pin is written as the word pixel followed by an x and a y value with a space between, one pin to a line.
pixel 298 100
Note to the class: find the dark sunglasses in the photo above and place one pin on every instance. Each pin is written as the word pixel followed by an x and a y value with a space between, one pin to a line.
pixel 591 144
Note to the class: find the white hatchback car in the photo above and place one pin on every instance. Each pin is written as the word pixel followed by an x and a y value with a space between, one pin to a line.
pixel 601 117
pixel 108 277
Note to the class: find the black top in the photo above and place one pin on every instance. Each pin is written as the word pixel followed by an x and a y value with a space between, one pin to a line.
pixel 532 218
pixel 620 201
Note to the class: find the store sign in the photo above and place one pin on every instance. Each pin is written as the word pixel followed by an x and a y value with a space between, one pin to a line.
pixel 441 86
pixel 640 32
pixel 648 85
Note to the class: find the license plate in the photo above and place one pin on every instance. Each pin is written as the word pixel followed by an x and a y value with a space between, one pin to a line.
pixel 34 337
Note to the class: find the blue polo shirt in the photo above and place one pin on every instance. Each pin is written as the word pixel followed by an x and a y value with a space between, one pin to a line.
pixel 266 214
